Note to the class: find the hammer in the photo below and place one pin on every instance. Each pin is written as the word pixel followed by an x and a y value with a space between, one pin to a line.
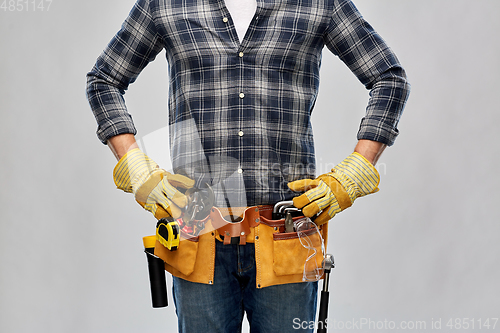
pixel 328 264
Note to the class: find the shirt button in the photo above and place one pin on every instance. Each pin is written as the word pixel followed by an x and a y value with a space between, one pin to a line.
pixel 241 54
pixel 240 133
pixel 242 95
pixel 225 19
pixel 240 170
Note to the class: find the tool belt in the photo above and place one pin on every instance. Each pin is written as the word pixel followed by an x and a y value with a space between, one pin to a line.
pixel 279 255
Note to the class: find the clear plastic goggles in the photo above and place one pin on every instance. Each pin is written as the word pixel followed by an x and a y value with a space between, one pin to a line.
pixel 306 229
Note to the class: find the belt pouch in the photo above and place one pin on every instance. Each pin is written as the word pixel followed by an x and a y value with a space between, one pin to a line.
pixel 194 260
pixel 279 256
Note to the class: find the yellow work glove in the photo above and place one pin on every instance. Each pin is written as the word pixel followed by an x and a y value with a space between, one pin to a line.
pixel 155 189
pixel 335 191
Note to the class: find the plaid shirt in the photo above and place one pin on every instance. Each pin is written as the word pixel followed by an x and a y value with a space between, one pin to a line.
pixel 246 103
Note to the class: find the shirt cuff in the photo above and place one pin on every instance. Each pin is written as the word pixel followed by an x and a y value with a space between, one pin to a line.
pixel 377 131
pixel 110 129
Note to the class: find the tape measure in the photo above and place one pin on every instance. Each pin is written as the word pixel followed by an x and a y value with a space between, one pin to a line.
pixel 168 232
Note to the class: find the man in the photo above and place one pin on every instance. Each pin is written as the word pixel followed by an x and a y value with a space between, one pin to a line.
pixel 244 76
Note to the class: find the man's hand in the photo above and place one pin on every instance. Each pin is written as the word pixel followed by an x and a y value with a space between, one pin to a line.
pixel 333 192
pixel 155 189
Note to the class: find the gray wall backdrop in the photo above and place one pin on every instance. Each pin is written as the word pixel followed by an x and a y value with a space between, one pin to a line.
pixel 423 250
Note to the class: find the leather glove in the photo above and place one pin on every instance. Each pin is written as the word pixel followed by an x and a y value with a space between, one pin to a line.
pixel 155 189
pixel 335 191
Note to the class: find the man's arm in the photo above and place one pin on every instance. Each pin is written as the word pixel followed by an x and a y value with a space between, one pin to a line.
pixel 127 54
pixel 371 150
pixel 121 144
pixel 376 66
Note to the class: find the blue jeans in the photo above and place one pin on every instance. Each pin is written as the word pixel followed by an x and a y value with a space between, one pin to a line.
pixel 219 308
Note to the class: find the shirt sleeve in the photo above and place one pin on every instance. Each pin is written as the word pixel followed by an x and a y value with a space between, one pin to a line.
pixel 131 49
pixel 367 55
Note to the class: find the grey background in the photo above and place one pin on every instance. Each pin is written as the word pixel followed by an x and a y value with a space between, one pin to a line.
pixel 425 248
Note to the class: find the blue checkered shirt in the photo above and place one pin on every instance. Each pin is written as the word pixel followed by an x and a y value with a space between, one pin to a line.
pixel 246 106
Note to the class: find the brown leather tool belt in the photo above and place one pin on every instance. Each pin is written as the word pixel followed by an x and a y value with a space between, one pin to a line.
pixel 279 255
pixel 236 225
